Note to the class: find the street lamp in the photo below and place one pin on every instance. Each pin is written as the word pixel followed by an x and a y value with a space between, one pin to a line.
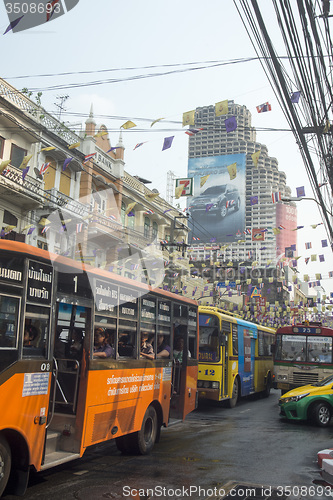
pixel 300 198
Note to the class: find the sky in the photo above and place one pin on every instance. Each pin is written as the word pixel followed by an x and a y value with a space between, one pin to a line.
pixel 114 35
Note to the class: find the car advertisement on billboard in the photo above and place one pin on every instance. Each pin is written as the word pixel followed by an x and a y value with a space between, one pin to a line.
pixel 217 207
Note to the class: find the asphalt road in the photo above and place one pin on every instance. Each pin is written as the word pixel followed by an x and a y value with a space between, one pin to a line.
pixel 215 447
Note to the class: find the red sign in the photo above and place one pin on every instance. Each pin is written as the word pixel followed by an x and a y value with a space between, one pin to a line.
pixel 258 235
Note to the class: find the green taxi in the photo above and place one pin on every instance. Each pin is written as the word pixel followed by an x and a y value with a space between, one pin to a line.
pixel 309 402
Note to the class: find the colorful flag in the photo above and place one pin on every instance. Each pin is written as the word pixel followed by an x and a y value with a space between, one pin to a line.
pixel 203 179
pixel 43 168
pixel 155 121
pixel 295 97
pixel 193 131
pixel 138 145
pixel 229 203
pixel 308 245
pixel 300 191
pixel 45 229
pixel 148 212
pixel 31 229
pixel 24 172
pixel 79 227
pixel 324 243
pixel 74 145
pixel 307 260
pixel 44 221
pixel 101 133
pixel 49 148
pixel 13 24
pixel 49 12
pixel 209 206
pixel 255 157
pixel 152 196
pixel 25 161
pixel 189 118
pixel 321 258
pixel 232 169
pixel 129 207
pixel 313 257
pixel 89 157
pixel 178 191
pixel 276 230
pixel 254 200
pixel 262 108
pixel 167 142
pixel 230 124
pixel 195 238
pixel 221 108
pixel 3 165
pixel 276 197
pixel 66 163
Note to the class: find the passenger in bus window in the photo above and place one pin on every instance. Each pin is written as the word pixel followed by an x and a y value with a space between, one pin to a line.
pixel 179 349
pixel 76 348
pixel 146 349
pixel 163 349
pixel 30 335
pixel 125 347
pixel 5 341
pixel 101 348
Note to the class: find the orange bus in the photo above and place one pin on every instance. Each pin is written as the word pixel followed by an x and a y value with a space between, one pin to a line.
pixel 56 398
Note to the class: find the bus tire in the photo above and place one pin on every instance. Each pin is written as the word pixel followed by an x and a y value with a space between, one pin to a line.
pixel 5 463
pixel 234 398
pixel 321 414
pixel 267 390
pixel 123 444
pixel 144 439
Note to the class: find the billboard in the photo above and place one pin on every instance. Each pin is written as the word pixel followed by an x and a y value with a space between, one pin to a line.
pixel 217 207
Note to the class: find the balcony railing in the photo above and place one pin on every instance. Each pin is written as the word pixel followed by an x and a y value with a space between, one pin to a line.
pixel 37 113
pixel 12 179
pixel 56 199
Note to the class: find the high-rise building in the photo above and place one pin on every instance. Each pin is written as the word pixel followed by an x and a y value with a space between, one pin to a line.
pixel 235 201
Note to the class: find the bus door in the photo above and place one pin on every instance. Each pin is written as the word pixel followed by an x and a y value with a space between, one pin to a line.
pixel 185 366
pixel 71 342
pixel 246 357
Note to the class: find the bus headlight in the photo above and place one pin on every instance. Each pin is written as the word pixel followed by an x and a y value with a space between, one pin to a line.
pixel 215 385
pixel 206 385
pixel 282 377
pixel 199 384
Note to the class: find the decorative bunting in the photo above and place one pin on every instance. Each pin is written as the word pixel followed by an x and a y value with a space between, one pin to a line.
pixel 262 108
pixel 308 245
pixel 74 145
pixel 13 24
pixel 324 243
pixel 276 197
pixel 232 169
pixel 254 200
pixel 24 172
pixel 295 97
pixel 255 157
pixel 44 221
pixel 167 142
pixel 25 161
pixel 89 157
pixel 66 163
pixel 189 118
pixel 313 258
pixel 178 191
pixel 321 258
pixel 103 132
pixel 152 196
pixel 43 168
pixel 49 148
pixel 193 131
pixel 203 179
pixel 221 108
pixel 8 229
pixel 155 121
pixel 138 145
pixel 300 191
pixel 31 230
pixel 230 124
pixel 4 165
pixel 129 207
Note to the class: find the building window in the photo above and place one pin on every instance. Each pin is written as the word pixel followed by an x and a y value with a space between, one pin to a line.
pixel 16 155
pixel 131 219
pixel 155 230
pixel 146 228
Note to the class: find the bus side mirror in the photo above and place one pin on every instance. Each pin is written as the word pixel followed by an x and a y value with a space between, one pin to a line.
pixel 223 339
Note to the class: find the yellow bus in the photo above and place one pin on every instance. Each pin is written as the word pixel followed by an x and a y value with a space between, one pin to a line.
pixel 235 357
pixel 57 397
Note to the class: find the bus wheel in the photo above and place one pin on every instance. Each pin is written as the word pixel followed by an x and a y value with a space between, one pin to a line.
pixel 145 438
pixel 267 390
pixel 234 397
pixel 123 444
pixel 322 414
pixel 5 463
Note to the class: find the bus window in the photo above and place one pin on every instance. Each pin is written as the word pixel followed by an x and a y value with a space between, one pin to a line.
pixel 36 328
pixel 319 349
pixel 162 346
pixel 209 344
pixel 9 312
pixel 291 348
pixel 127 338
